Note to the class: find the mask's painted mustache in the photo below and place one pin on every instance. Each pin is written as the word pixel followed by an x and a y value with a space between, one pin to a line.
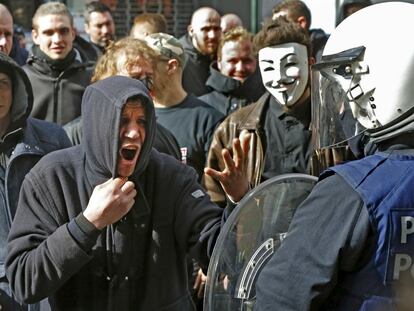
pixel 280 83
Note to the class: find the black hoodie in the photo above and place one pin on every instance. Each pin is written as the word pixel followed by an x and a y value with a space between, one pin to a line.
pixel 138 263
pixel 58 86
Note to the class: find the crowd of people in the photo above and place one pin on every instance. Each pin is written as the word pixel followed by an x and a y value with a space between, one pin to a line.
pixel 122 158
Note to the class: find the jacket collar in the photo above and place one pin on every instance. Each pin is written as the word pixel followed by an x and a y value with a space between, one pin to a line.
pixel 254 113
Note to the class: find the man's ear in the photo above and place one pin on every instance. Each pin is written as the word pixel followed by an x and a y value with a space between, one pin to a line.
pixel 35 36
pixel 172 66
pixel 311 60
pixel 86 28
pixel 73 31
pixel 218 64
pixel 303 22
pixel 190 30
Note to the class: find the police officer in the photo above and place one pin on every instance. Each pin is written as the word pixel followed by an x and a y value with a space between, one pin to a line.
pixel 350 245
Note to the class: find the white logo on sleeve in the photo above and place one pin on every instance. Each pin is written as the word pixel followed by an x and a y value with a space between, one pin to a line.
pixel 198 194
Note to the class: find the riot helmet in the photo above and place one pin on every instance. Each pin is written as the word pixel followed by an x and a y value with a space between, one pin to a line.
pixel 363 83
pixel 367 71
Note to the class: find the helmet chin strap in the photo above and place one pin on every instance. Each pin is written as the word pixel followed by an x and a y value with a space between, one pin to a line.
pixel 402 125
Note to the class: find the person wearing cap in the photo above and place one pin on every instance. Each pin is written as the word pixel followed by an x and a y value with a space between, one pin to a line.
pixel 191 121
pixel 24 141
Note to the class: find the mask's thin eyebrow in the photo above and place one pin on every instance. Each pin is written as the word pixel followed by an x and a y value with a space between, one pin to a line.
pixel 287 55
pixel 282 59
pixel 267 61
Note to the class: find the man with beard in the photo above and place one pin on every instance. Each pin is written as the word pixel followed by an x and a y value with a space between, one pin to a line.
pixel 57 75
pixel 99 25
pixel 200 45
pixel 107 225
pixel 278 122
pixel 191 121
pixel 234 79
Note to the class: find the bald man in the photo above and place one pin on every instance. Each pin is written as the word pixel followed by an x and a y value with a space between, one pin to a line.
pixel 230 21
pixel 200 45
pixel 6 30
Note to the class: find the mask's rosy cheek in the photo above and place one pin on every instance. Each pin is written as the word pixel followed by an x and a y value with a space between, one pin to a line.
pixel 293 72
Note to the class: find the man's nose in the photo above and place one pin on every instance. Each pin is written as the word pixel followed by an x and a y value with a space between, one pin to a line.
pixel 212 33
pixel 105 29
pixel 239 66
pixel 132 131
pixel 56 37
pixel 3 40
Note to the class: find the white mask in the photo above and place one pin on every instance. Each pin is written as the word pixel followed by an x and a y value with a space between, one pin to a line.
pixel 285 71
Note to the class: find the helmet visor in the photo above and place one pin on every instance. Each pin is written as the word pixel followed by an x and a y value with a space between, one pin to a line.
pixel 333 121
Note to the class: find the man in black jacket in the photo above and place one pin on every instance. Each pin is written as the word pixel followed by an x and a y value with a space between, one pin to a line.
pixel 54 68
pixel 23 142
pixel 279 121
pixel 234 80
pixel 107 225
pixel 99 25
pixel 200 45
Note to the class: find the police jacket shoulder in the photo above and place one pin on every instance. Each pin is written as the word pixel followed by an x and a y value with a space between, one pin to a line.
pixel 327 239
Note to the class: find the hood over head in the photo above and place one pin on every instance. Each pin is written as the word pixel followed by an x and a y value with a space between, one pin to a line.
pixel 22 92
pixel 102 105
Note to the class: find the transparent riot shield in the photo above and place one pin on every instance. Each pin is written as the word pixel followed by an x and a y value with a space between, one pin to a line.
pixel 250 236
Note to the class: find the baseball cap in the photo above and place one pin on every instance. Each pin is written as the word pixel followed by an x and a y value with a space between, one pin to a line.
pixel 166 45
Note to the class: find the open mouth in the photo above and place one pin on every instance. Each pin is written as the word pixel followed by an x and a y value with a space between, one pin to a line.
pixel 129 153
